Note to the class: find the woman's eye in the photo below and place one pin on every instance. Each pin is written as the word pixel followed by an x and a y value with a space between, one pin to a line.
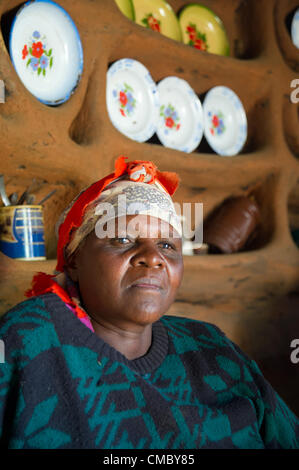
pixel 167 246
pixel 122 240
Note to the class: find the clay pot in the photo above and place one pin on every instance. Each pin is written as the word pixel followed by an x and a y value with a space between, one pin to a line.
pixel 229 227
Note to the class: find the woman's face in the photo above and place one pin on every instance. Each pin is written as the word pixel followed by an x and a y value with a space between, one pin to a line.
pixel 130 280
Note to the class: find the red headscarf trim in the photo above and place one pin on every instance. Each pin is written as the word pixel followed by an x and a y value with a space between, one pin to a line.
pixel 43 283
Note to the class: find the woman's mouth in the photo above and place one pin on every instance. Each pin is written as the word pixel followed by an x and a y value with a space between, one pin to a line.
pixel 148 283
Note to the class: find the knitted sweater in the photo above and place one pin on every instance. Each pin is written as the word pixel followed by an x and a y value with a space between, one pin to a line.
pixel 61 386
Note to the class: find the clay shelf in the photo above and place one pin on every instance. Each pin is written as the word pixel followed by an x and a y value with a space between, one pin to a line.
pixel 187 61
pixel 192 167
pixel 244 275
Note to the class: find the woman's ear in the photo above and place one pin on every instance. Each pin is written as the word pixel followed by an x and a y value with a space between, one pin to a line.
pixel 71 266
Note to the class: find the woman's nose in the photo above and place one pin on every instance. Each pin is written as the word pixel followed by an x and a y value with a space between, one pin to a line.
pixel 148 255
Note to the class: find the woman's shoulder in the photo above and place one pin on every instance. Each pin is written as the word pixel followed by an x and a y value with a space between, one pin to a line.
pixel 193 327
pixel 25 309
pixel 27 328
pixel 204 337
pixel 197 334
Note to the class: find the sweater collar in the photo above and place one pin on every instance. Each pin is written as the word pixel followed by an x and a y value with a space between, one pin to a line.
pixel 71 329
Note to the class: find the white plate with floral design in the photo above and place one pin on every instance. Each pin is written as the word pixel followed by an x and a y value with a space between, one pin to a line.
pixel 180 124
pixel 225 121
pixel 132 99
pixel 46 51
pixel 295 28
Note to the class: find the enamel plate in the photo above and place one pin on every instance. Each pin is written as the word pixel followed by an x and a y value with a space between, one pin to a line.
pixel 157 15
pixel 295 28
pixel 180 124
pixel 203 29
pixel 132 99
pixel 225 122
pixel 46 51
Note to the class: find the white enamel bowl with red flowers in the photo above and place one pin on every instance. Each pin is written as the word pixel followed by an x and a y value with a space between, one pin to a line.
pixel 46 51
pixel 180 124
pixel 132 99
pixel 225 121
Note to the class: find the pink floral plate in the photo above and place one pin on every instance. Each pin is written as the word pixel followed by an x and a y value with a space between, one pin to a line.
pixel 46 51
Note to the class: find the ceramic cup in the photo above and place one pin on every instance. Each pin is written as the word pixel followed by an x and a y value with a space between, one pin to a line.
pixel 22 232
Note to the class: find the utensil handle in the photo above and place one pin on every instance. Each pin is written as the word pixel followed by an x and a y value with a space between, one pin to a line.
pixel 3 194
pixel 47 197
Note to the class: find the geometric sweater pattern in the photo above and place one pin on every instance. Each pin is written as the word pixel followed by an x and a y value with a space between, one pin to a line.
pixel 63 387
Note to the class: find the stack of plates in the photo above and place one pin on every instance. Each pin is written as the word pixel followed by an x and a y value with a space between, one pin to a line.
pixel 46 51
pixel 139 108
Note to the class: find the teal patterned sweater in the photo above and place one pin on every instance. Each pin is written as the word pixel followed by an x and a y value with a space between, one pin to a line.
pixel 61 386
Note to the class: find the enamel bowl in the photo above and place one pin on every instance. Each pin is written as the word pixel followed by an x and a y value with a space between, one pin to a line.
pixel 46 51
pixel 157 15
pixel 180 124
pixel 132 99
pixel 225 121
pixel 203 29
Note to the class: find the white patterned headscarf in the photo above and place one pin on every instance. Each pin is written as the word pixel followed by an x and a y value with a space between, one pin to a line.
pixel 125 197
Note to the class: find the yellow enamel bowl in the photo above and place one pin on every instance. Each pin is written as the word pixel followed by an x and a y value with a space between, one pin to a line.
pixel 204 30
pixel 158 16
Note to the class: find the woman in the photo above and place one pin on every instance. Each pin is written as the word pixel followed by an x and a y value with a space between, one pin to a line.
pixel 92 361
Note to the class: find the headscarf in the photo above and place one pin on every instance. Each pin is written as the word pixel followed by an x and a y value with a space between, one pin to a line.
pixel 124 197
pixel 153 190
